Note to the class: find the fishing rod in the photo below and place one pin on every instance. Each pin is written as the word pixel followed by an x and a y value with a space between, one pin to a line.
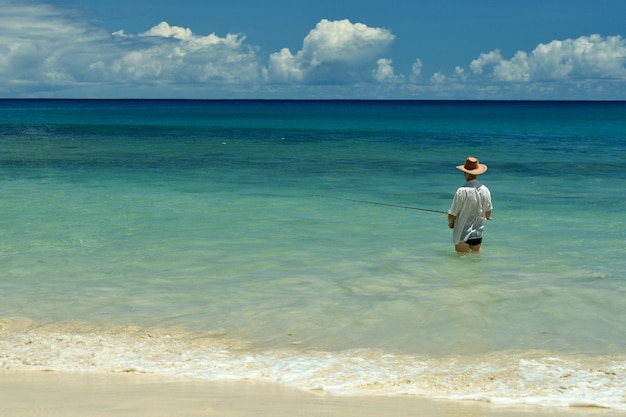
pixel 382 204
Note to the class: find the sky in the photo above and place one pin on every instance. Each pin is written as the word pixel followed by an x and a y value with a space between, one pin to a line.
pixel 314 49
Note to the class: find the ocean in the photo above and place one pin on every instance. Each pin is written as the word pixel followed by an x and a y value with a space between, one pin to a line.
pixel 232 240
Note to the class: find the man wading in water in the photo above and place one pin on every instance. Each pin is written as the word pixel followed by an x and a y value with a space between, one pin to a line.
pixel 470 208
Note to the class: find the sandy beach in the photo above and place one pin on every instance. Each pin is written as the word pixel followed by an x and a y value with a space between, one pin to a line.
pixel 101 395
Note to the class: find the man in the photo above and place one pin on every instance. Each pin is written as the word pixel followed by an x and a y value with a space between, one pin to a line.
pixel 470 207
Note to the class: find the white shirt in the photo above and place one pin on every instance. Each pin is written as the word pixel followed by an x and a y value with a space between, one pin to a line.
pixel 469 205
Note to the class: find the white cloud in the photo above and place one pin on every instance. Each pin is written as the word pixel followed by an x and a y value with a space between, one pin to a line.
pixel 438 78
pixel 587 57
pixel 416 70
pixel 484 60
pixel 285 67
pixel 163 29
pixel 43 50
pixel 333 52
pixel 48 52
pixel 172 54
pixel 40 46
pixel 385 73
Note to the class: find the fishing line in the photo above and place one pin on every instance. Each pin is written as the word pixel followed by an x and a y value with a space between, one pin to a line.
pixel 382 204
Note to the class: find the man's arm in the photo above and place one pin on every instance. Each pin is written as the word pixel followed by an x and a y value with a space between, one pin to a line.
pixel 451 220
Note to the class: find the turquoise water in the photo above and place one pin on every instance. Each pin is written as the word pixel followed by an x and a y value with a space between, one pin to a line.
pixel 209 239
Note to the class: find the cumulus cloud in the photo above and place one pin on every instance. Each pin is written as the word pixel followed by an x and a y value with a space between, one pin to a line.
pixel 438 78
pixel 416 70
pixel 486 60
pixel 175 54
pixel 587 57
pixel 333 52
pixel 49 52
pixel 164 30
pixel 41 46
pixel 588 67
pixel 385 73
pixel 45 50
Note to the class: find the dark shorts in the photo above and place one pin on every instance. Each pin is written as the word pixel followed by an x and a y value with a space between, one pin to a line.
pixel 474 242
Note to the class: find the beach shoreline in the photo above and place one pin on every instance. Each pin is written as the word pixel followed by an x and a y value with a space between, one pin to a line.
pixel 28 393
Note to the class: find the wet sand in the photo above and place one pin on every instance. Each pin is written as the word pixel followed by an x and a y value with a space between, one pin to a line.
pixel 45 394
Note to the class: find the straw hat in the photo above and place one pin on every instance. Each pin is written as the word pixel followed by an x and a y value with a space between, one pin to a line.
pixel 472 166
